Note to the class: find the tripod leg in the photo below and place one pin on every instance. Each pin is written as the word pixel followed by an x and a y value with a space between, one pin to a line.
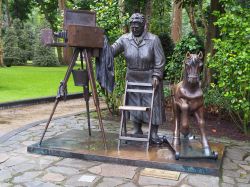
pixel 61 90
pixel 86 93
pixel 88 116
pixel 94 93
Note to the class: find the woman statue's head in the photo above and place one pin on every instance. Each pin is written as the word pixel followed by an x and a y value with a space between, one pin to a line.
pixel 137 24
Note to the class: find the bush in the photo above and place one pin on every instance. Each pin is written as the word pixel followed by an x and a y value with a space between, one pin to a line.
pixel 11 49
pixel 8 61
pixel 173 69
pixel 231 60
pixel 44 56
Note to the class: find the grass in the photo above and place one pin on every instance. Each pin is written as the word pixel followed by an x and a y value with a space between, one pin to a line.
pixel 27 82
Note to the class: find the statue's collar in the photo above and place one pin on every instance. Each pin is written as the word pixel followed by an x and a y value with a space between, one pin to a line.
pixel 142 38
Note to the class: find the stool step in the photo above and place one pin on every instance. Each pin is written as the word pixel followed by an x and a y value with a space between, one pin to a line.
pixel 137 108
pixel 139 91
pixel 133 138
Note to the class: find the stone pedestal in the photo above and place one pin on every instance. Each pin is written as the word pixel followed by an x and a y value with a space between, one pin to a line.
pixel 78 144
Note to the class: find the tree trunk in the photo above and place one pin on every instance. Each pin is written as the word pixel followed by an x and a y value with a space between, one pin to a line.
pixel 64 55
pixel 121 4
pixel 61 4
pixel 190 12
pixel 211 33
pixel 176 22
pixel 8 12
pixel 1 43
pixel 148 13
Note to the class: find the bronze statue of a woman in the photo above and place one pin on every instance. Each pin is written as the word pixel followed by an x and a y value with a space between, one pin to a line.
pixel 145 63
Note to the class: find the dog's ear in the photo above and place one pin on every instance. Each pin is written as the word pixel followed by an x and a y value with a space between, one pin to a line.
pixel 200 55
pixel 188 55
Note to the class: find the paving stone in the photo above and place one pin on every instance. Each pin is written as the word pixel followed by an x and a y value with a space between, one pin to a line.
pixel 245 167
pixel 242 172
pixel 226 185
pixel 6 149
pixel 74 181
pixel 185 185
pixel 23 167
pixel 227 179
pixel 230 173
pixel 27 143
pixel 79 164
pixel 242 185
pixel 235 153
pixel 3 157
pixel 144 180
pixel 114 170
pixel 53 177
pixel 5 175
pixel 110 182
pixel 240 162
pixel 247 159
pixel 242 180
pixel 39 184
pixel 43 163
pixel 63 170
pixel 130 184
pixel 202 181
pixel 26 177
pixel 228 164
pixel 54 158
pixel 15 160
pixel 5 184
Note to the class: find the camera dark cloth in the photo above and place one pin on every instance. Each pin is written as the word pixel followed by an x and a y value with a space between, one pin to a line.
pixel 105 67
pixel 144 60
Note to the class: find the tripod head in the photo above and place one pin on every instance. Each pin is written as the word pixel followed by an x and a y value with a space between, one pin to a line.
pixel 79 31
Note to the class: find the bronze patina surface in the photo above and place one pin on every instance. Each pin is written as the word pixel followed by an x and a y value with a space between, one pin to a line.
pixel 78 144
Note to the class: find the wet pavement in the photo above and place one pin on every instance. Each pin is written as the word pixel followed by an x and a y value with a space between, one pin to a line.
pixel 20 168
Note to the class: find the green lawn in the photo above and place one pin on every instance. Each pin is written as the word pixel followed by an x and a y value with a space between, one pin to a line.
pixel 26 82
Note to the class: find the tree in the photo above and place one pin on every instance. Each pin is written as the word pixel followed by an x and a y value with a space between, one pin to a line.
pixel 49 9
pixel 176 21
pixel 230 63
pixel 20 9
pixel 44 56
pixel 12 55
pixel 1 46
pixel 161 19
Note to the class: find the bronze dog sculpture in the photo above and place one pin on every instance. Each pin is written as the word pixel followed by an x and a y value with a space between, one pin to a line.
pixel 188 98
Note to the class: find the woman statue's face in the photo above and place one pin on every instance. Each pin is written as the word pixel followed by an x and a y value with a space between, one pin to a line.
pixel 137 28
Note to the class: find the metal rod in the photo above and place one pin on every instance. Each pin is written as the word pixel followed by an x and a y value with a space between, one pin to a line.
pixel 94 93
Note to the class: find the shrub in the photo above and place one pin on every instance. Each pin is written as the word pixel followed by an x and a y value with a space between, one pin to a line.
pixel 44 56
pixel 173 69
pixel 231 60
pixel 12 54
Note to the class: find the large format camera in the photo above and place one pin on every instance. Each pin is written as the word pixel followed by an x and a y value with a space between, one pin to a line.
pixel 79 31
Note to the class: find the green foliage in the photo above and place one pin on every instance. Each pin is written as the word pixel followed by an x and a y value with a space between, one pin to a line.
pixel 12 55
pixel 173 69
pixel 167 45
pixel 132 6
pixel 107 13
pixel 44 55
pixel 49 8
pixel 108 18
pixel 20 9
pixel 160 21
pixel 231 61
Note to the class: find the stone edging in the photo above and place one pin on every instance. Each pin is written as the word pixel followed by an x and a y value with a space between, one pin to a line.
pixel 41 100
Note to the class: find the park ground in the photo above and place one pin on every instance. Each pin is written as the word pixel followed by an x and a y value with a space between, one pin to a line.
pixel 19 168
